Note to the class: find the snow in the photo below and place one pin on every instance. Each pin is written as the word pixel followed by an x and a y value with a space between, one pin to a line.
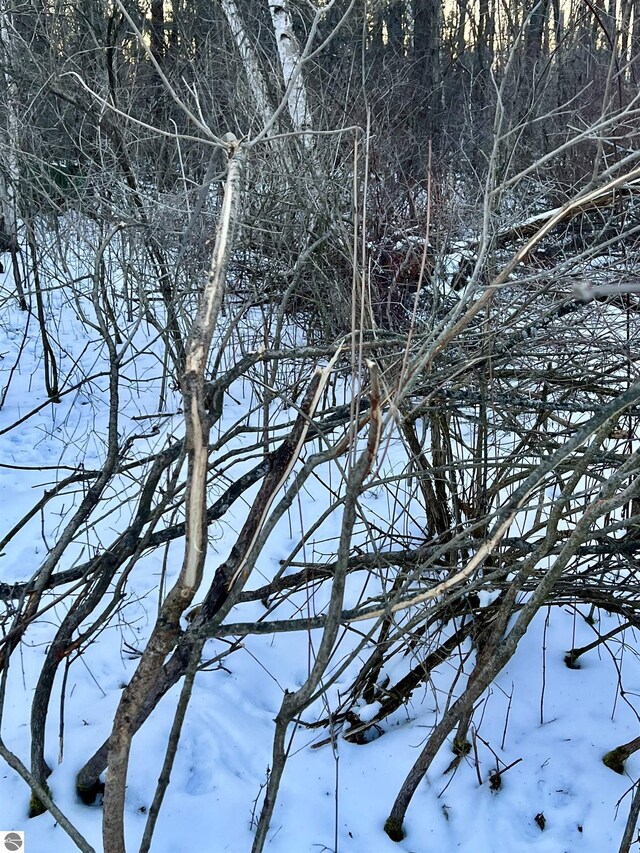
pixel 555 723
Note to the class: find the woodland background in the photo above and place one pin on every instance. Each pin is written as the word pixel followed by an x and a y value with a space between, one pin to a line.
pixel 326 316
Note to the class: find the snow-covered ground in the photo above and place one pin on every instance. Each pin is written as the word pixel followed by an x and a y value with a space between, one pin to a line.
pixel 552 724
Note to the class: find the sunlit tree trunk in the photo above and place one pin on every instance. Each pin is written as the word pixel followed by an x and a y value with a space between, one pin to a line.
pixel 625 29
pixel 289 55
pixel 250 63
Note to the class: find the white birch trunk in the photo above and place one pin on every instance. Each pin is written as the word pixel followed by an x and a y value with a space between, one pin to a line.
pixel 252 69
pixel 289 55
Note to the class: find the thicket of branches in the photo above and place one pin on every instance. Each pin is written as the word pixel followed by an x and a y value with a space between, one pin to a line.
pixel 410 232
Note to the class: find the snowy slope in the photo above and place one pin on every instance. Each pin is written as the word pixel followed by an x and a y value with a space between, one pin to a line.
pixel 553 724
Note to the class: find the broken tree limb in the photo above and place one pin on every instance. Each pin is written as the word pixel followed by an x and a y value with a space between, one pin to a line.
pixel 167 629
pixel 595 200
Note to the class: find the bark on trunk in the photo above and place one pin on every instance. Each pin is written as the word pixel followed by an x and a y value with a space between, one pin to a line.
pixel 289 55
pixel 167 630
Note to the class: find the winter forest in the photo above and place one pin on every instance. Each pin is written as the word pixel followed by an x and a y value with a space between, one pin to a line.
pixel 319 437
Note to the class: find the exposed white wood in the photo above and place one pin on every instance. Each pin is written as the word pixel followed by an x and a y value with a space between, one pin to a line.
pixel 199 343
pixel 290 63
pixel 255 76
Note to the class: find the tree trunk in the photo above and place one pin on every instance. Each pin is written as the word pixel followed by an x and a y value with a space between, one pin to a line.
pixel 157 29
pixel 426 57
pixel 255 77
pixel 426 45
pixel 9 176
pixel 289 55
pixel 167 629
